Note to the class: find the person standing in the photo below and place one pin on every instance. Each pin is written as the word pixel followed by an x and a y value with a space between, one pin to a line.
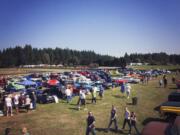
pixel 8 103
pixel 33 100
pixel 173 79
pixel 160 83
pixel 16 103
pixel 126 118
pixel 101 92
pixel 133 123
pixel 27 103
pixel 94 90
pixel 122 88
pixel 165 81
pixel 113 119
pixel 128 90
pixel 90 124
pixel 68 95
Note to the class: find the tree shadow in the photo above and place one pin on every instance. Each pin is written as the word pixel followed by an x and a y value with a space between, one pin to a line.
pixel 147 120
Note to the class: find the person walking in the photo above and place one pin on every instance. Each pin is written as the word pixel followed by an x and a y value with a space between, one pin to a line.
pixel 82 99
pixel 126 118
pixel 133 123
pixel 90 124
pixel 113 119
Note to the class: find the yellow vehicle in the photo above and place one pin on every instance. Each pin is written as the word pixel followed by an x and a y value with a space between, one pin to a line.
pixel 170 108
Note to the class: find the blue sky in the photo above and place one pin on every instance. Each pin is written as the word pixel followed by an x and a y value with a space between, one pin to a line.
pixel 110 27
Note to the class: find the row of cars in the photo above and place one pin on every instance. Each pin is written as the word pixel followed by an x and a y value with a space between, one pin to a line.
pixel 48 85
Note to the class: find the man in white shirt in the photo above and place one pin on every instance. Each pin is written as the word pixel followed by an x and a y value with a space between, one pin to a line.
pixel 68 95
pixel 82 99
pixel 8 103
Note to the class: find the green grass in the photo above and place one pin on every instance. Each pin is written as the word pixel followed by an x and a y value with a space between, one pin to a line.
pixel 64 119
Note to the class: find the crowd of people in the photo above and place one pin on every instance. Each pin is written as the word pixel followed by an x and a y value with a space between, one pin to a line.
pixel 17 101
pixel 129 118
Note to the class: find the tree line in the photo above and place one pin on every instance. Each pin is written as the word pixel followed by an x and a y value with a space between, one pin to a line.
pixel 14 57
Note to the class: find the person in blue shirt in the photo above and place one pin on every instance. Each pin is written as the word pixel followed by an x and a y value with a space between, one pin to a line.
pixel 101 92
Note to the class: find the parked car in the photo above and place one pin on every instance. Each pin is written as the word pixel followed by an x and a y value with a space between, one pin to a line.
pixel 45 97
pixel 171 108
pixel 131 79
pixel 162 128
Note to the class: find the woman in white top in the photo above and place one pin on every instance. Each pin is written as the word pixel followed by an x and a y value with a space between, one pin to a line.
pixel 8 102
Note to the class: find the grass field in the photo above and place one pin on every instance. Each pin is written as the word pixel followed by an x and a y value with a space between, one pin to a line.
pixel 65 119
pixel 147 67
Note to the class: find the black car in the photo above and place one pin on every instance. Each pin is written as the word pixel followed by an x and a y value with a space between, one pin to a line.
pixel 45 98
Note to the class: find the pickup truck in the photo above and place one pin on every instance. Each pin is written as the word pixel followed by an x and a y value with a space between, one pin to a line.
pixel 162 128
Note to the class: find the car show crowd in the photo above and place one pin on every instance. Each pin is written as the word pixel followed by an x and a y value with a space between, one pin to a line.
pixel 22 93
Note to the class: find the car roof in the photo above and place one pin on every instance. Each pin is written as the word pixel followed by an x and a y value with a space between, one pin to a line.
pixel 171 103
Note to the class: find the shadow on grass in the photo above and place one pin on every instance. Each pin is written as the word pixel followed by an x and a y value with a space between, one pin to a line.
pixel 157 108
pixel 129 103
pixel 91 99
pixel 74 108
pixel 74 104
pixel 174 88
pixel 110 130
pixel 119 96
pixel 147 120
